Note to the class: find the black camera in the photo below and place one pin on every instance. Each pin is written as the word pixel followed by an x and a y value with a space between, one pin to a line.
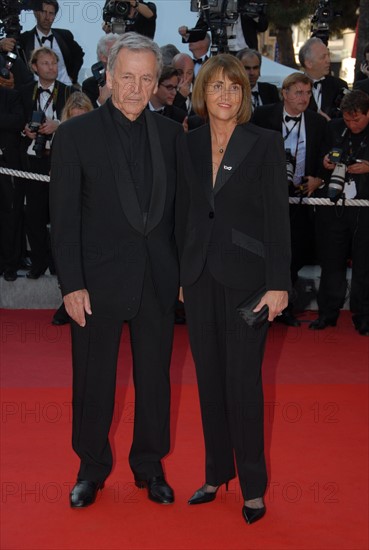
pixel 116 14
pixel 252 9
pixel 38 118
pixel 99 73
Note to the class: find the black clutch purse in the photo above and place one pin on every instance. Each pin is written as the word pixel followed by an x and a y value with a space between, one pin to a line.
pixel 254 320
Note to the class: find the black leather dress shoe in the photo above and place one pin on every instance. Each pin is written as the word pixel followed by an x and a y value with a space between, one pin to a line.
pixel 286 318
pixel 84 493
pixel 10 275
pixel 35 273
pixel 157 488
pixel 322 322
pixel 253 514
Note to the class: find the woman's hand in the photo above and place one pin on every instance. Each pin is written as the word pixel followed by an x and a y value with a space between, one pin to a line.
pixel 276 300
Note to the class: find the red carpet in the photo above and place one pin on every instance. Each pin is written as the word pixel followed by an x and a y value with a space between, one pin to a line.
pixel 316 439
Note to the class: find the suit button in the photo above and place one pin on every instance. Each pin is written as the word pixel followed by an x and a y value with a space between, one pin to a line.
pixel 211 215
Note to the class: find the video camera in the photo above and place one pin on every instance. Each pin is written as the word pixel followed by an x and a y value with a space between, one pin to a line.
pixel 220 14
pixel 321 19
pixel 10 26
pixel 116 14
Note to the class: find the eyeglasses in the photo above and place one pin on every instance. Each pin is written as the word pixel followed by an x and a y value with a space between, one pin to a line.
pixel 169 87
pixel 299 93
pixel 219 87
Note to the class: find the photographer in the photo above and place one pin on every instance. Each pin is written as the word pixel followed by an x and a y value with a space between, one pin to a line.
pixel 43 103
pixel 242 34
pixel 95 86
pixel 61 41
pixel 18 74
pixel 344 230
pixel 140 18
pixel 303 134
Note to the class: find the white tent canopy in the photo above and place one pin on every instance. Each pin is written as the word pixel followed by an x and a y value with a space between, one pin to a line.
pixel 274 72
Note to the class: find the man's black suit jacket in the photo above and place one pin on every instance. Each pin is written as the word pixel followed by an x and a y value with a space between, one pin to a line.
pixel 268 93
pixel 362 85
pixel 11 124
pixel 331 89
pixel 270 116
pixel 239 228
pixel 90 87
pixel 99 238
pixel 71 50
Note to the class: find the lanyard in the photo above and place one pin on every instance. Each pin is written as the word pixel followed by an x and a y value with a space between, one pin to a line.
pixel 288 132
pixel 52 97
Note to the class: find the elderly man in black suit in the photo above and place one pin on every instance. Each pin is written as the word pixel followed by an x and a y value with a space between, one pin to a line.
pixel 113 181
pixel 47 98
pixel 61 41
pixel 303 133
pixel 262 93
pixel 327 90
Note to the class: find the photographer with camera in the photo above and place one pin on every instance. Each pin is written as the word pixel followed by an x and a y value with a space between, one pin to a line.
pixel 95 86
pixel 43 103
pixel 122 16
pixel 61 41
pixel 344 230
pixel 303 134
pixel 238 32
pixel 328 90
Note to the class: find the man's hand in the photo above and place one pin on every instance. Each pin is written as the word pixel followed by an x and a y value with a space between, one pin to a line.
pixel 328 164
pixel 359 167
pixel 276 300
pixel 7 44
pixel 29 134
pixel 77 303
pixel 310 184
pixel 49 126
pixel 7 82
pixel 104 94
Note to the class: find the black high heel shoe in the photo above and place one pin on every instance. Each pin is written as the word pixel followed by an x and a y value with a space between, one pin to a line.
pixel 201 496
pixel 253 514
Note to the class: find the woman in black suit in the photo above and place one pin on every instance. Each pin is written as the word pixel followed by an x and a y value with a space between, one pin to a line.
pixel 233 236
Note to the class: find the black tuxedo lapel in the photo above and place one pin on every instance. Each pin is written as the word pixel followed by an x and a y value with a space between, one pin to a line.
pixel 239 146
pixel 122 175
pixel 159 177
pixel 309 131
pixel 200 151
pixel 62 44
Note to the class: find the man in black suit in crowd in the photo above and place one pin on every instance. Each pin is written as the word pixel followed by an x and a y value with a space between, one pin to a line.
pixel 262 93
pixel 161 101
pixel 11 123
pixel 48 96
pixel 303 133
pixel 113 179
pixel 61 41
pixel 96 93
pixel 184 65
pixel 344 230
pixel 20 73
pixel 327 90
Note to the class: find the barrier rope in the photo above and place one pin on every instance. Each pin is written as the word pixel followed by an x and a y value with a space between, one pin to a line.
pixel 292 200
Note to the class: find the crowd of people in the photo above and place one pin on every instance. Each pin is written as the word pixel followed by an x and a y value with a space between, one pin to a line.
pixel 194 158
